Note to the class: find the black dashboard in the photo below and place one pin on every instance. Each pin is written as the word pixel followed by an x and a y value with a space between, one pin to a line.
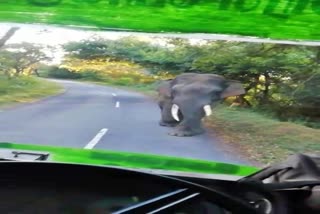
pixel 45 187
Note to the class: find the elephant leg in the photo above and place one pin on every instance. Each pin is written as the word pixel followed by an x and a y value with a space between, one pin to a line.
pixel 168 124
pixel 186 132
pixel 188 128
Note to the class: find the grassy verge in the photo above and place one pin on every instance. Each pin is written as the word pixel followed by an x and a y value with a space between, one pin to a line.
pixel 25 89
pixel 261 138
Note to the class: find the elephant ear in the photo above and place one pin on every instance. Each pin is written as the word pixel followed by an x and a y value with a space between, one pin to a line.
pixel 234 88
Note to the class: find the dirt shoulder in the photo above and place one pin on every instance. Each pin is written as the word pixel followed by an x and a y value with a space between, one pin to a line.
pixel 262 139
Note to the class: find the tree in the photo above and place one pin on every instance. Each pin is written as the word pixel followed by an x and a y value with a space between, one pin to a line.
pixel 18 58
pixel 264 69
pixel 87 49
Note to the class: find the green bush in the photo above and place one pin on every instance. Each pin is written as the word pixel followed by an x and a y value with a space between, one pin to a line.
pixel 62 73
pixel 315 125
pixel 125 81
pixel 4 86
pixel 91 75
pixel 15 84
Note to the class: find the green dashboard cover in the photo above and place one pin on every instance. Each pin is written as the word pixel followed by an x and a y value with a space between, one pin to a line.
pixel 281 19
pixel 133 160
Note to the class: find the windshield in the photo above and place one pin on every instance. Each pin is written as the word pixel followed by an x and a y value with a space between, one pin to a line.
pixel 222 98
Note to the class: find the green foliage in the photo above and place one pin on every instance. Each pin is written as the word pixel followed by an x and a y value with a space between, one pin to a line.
pixel 132 49
pixel 86 49
pixel 16 59
pixel 309 92
pixel 62 73
pixel 124 81
pixel 91 75
pixel 261 137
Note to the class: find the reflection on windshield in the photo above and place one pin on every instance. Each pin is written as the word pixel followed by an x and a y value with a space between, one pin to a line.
pixel 238 102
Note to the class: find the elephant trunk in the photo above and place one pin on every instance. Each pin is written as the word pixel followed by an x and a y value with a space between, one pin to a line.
pixel 190 123
pixel 175 112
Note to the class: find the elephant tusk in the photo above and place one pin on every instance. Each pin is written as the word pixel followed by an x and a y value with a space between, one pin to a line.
pixel 207 110
pixel 174 112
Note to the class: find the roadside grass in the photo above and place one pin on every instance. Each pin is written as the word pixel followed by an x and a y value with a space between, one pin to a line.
pixel 262 138
pixel 25 89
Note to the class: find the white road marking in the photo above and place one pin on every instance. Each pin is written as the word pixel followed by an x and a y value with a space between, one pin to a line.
pixel 96 139
pixel 117 104
pixel 113 94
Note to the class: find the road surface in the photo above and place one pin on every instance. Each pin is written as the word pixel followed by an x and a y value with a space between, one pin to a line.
pixel 97 117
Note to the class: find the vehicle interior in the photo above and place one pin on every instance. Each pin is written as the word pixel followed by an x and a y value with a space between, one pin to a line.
pixel 160 106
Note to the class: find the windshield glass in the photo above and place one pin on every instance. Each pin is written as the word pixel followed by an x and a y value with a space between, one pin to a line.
pixel 200 96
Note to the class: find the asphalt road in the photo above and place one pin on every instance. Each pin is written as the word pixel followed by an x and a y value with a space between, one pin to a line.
pixel 98 117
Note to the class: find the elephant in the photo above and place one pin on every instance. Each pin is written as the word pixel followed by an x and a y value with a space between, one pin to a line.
pixel 187 98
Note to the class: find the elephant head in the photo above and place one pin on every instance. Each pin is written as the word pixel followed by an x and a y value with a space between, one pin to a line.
pixel 186 99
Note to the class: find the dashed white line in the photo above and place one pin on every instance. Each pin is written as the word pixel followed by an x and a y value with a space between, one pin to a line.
pixel 113 94
pixel 117 104
pixel 96 139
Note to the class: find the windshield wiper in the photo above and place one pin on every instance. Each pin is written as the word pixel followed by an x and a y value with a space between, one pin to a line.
pixel 14 155
pixel 160 203
pixel 192 192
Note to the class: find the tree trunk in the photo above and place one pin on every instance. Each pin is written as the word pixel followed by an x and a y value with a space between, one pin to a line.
pixel 7 73
pixel 265 97
pixel 317 59
pixel 36 72
pixel 241 101
pixel 17 71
